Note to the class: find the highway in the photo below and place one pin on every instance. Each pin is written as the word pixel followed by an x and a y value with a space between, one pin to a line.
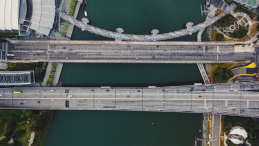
pixel 197 99
pixel 81 53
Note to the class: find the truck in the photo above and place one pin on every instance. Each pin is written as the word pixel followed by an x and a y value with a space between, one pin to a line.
pixel 209 87
pixel 17 91
pixel 69 96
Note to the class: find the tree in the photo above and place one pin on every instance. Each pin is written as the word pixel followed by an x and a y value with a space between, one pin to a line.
pixel 221 74
pixel 219 37
pixel 26 113
pixel 39 122
pixel 9 114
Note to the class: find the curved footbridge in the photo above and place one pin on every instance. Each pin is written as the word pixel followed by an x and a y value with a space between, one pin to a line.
pixel 131 37
pixel 229 99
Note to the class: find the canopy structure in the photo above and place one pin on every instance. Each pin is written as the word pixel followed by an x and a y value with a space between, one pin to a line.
pixel 43 15
pixel 239 131
pixel 236 141
pixel 9 15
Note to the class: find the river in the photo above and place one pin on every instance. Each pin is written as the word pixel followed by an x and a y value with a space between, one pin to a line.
pixel 141 17
pixel 128 128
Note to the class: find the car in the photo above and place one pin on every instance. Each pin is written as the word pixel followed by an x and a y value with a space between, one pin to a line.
pixel 136 58
pixel 242 110
pixel 44 97
pixel 1 95
pixel 38 101
pixel 203 89
pixel 67 104
pixel 68 97
pixel 200 96
pixel 52 99
pixel 233 109
pixel 52 90
pixel 25 101
pixel 177 91
pixel 128 46
pixel 21 103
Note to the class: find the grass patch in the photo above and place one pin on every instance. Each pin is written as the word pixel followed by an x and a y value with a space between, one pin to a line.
pixel 213 36
pixel 44 132
pixel 234 40
pixel 218 12
pixel 213 67
pixel 2 127
pixel 20 66
pixel 254 29
pixel 245 20
pixel 23 138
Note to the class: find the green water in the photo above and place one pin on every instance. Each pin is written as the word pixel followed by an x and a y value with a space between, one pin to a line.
pixel 124 128
pixel 129 75
pixel 117 128
pixel 141 17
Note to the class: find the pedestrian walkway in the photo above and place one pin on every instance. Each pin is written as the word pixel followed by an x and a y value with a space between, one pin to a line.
pixel 131 37
pixel 203 73
pixel 57 73
pixel 46 74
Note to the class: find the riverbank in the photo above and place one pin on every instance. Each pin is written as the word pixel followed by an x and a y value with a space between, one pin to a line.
pixel 52 74
pixel 17 127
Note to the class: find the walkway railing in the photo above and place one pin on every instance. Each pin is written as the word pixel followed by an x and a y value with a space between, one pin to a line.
pixel 203 73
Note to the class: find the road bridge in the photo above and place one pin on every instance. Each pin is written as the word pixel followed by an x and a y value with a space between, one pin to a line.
pixel 120 53
pixel 229 99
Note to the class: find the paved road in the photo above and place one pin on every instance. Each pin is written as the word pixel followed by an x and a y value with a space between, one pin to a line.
pixel 216 129
pixel 171 99
pixel 124 52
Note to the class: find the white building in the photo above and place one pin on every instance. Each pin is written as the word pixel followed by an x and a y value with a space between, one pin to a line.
pixel 9 14
pixel 237 135
pixel 26 15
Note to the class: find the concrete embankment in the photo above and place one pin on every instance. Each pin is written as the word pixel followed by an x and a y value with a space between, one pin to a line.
pixel 56 75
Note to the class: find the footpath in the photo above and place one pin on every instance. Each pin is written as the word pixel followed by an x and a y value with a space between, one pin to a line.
pixel 56 75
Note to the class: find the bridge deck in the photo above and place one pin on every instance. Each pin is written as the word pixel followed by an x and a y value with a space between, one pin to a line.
pixel 228 99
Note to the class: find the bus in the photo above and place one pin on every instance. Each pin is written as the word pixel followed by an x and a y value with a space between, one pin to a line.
pixel 17 92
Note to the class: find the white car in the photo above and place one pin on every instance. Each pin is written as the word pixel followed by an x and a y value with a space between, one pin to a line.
pixel 25 101
pixel 52 90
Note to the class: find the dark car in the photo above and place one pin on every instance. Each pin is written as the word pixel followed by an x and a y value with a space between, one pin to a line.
pixel 67 104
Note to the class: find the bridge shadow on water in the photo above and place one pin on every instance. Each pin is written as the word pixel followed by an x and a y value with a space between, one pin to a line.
pixel 129 75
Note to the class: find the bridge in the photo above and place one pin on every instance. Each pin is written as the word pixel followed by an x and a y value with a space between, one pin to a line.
pixel 227 99
pixel 131 37
pixel 124 52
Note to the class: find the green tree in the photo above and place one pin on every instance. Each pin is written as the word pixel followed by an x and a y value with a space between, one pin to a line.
pixel 221 74
pixel 219 37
